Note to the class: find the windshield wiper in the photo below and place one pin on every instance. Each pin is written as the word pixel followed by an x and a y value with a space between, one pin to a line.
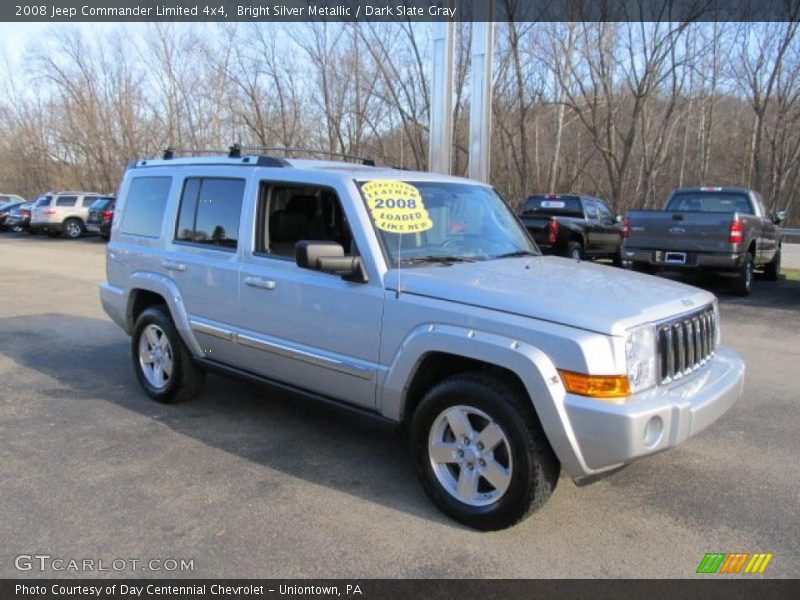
pixel 436 258
pixel 516 253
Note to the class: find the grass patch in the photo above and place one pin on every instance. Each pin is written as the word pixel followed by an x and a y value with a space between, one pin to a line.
pixel 791 274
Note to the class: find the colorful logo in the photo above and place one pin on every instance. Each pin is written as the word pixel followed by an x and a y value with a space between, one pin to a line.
pixel 734 562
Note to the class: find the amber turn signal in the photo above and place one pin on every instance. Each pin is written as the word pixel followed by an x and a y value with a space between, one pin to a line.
pixel 614 388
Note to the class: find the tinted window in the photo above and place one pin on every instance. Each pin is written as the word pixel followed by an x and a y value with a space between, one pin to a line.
pixel 101 203
pixel 210 211
pixel 144 209
pixel 711 202
pixel 66 200
pixel 5 199
pixel 553 204
pixel 605 214
pixel 88 201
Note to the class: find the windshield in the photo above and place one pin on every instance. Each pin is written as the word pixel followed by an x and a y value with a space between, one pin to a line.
pixel 462 222
pixel 728 202
pixel 553 205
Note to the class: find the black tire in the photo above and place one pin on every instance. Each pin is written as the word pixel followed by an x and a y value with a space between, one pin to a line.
pixel 575 250
pixel 53 234
pixel 186 378
pixel 772 270
pixel 534 466
pixel 73 229
pixel 105 237
pixel 616 260
pixel 743 284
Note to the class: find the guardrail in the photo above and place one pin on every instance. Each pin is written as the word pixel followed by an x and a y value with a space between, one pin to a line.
pixel 791 233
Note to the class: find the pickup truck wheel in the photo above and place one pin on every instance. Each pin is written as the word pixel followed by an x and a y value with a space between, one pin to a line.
pixel 575 250
pixel 480 452
pixel 162 362
pixel 744 279
pixel 73 229
pixel 772 269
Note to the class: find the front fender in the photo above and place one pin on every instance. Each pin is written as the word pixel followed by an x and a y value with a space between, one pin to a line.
pixel 166 288
pixel 533 367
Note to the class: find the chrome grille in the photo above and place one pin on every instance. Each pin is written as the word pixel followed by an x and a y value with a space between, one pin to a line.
pixel 686 343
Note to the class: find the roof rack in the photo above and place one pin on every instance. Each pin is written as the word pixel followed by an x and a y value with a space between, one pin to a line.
pixel 365 160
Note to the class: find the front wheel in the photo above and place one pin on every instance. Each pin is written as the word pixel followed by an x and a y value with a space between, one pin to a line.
pixel 480 452
pixel 162 362
pixel 773 268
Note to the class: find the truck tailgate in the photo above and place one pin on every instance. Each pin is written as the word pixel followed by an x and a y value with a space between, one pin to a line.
pixel 684 231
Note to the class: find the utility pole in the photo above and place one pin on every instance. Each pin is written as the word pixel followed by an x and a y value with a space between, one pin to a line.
pixel 480 114
pixel 440 140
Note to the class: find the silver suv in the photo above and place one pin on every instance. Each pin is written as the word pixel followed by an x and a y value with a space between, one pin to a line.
pixel 62 212
pixel 418 299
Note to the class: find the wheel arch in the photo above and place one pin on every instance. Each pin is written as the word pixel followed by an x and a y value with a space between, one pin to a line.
pixel 433 352
pixel 152 289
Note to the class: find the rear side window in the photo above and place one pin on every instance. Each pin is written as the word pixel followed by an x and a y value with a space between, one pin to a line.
pixel 66 200
pixel 210 212
pixel 88 201
pixel 144 209
pixel 728 202
pixel 44 201
pixel 553 205
pixel 101 203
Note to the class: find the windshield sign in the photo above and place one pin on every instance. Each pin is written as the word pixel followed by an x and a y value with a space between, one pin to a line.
pixel 433 222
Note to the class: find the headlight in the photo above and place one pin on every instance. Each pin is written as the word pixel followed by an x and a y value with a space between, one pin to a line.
pixel 640 357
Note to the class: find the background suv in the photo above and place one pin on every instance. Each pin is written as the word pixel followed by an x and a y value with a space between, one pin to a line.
pixel 62 212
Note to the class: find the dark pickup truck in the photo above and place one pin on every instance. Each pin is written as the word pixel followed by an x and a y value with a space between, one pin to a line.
pixel 572 225
pixel 725 229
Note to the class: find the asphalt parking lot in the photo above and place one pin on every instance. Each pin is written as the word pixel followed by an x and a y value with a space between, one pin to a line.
pixel 250 484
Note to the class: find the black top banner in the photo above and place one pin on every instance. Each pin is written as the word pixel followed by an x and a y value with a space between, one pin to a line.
pixel 400 10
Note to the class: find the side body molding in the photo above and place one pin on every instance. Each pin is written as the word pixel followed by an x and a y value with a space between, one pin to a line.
pixel 165 287
pixel 534 368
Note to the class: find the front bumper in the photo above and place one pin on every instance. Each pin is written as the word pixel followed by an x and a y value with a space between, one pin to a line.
pixel 693 260
pixel 609 435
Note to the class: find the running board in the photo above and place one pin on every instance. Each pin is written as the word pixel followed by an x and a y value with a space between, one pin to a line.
pixel 320 400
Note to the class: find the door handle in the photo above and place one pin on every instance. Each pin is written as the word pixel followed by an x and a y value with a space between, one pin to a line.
pixel 258 282
pixel 173 266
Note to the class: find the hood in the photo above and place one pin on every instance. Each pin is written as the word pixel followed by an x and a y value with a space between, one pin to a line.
pixel 579 294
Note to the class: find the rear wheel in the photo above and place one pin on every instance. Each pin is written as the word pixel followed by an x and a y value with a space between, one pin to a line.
pixel 480 452
pixel 744 277
pixel 772 270
pixel 575 250
pixel 73 228
pixel 162 362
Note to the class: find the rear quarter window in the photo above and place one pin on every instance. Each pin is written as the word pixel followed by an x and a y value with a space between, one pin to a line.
pixel 43 201
pixel 145 205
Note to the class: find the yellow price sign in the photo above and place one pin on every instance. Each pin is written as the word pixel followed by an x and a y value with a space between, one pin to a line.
pixel 396 206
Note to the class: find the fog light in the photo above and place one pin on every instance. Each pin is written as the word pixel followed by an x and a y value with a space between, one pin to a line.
pixel 653 431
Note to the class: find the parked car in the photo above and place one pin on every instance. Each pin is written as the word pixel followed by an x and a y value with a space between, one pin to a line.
pixel 722 229
pixel 62 212
pixel 101 214
pixel 417 299
pixel 6 209
pixel 19 218
pixel 572 225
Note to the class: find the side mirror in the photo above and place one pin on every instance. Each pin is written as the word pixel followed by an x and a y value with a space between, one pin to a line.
pixel 778 217
pixel 329 257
